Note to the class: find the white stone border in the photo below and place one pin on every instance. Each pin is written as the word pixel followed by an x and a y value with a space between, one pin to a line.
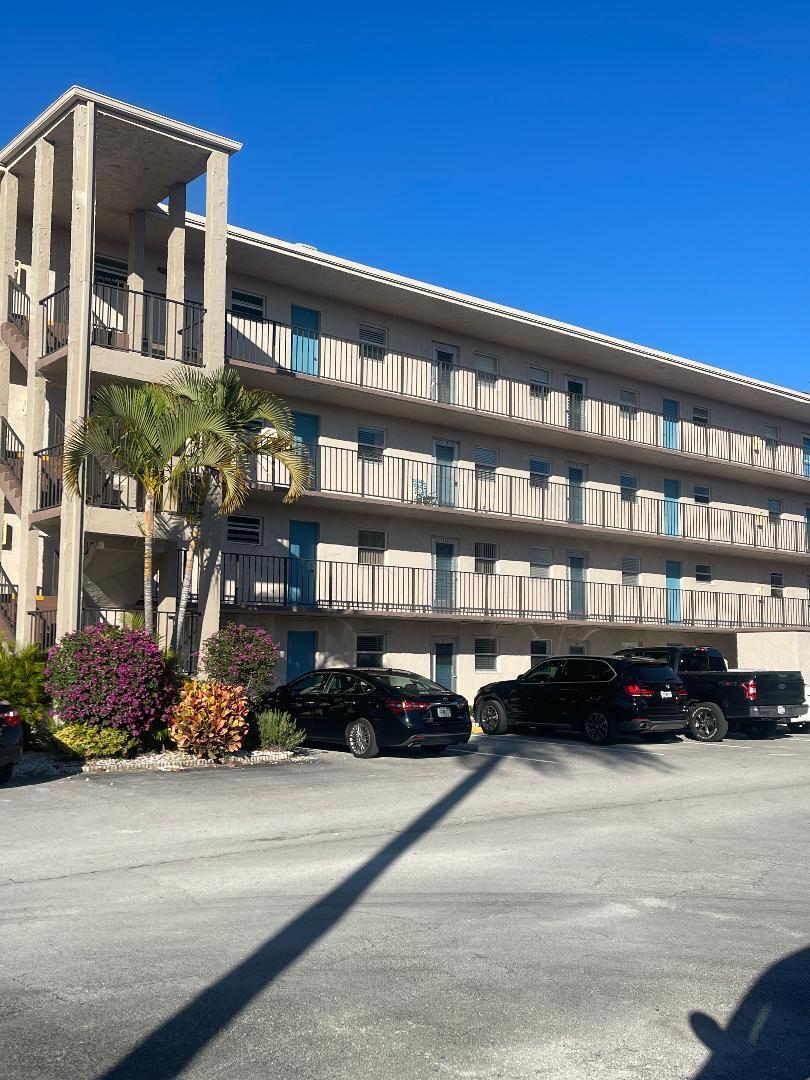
pixel 177 761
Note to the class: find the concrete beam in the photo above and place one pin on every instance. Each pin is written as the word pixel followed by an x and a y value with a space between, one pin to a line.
pixel 82 221
pixel 34 437
pixel 176 251
pixel 214 279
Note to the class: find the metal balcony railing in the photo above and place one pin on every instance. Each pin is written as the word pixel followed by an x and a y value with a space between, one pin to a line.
pixel 8 600
pixel 12 451
pixel 266 581
pixel 132 618
pixel 55 321
pixel 147 323
pixel 19 306
pixel 376 367
pixel 50 462
pixel 43 628
pixel 377 475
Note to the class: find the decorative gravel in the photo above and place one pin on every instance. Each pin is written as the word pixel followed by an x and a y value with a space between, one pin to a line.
pixel 48 765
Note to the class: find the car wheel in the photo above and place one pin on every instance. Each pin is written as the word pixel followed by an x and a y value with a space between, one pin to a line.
pixel 361 739
pixel 435 750
pixel 761 729
pixel 599 727
pixel 492 718
pixel 707 722
pixel 5 773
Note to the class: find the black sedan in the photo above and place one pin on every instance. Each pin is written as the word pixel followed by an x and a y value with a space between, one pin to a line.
pixel 600 696
pixel 369 708
pixel 11 740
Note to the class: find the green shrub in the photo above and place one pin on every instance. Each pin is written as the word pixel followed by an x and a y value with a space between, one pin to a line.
pixel 277 731
pixel 22 678
pixel 210 719
pixel 243 656
pixel 89 741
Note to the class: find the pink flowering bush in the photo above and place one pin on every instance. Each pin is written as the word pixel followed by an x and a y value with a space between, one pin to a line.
pixel 110 677
pixel 243 656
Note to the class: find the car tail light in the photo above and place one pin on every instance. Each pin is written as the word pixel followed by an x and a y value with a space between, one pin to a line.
pixel 749 690
pixel 680 691
pixel 634 690
pixel 10 718
pixel 407 706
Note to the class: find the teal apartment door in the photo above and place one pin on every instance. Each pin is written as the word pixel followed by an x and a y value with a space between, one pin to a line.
pixel 303 550
pixel 444 569
pixel 576 494
pixel 301 648
pixel 672 434
pixel 576 404
pixel 306 427
pixel 444 664
pixel 672 508
pixel 444 454
pixel 576 586
pixel 306 327
pixel 673 592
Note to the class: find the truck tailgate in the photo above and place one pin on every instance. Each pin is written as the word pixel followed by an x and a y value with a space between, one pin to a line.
pixel 779 687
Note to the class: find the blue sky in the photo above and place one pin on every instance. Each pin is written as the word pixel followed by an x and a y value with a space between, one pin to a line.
pixel 640 169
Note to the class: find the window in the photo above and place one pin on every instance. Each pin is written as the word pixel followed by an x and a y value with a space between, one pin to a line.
pixel 774 510
pixel 703 573
pixel 370 547
pixel 486 555
pixel 539 471
pixel 540 562
pixel 373 340
pixel 370 443
pixel 578 648
pixel 631 568
pixel 370 650
pixel 544 672
pixel 309 684
pixel 702 493
pixel 342 682
pixel 244 530
pixel 486 462
pixel 778 585
pixel 486 369
pixel 111 272
pixel 628 402
pixel 628 482
pixel 700 416
pixel 539 651
pixel 248 305
pixel 539 381
pixel 587 670
pixel 771 436
pixel 486 654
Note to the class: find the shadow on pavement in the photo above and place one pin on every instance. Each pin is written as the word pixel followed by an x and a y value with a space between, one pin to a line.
pixel 768 1037
pixel 168 1050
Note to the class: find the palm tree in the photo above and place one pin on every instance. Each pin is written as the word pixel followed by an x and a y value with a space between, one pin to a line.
pixel 141 431
pixel 212 460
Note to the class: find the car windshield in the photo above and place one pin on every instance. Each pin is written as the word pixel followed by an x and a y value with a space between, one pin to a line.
pixel 408 683
pixel 652 672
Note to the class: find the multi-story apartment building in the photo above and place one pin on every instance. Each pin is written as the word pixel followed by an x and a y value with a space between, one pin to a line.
pixel 489 485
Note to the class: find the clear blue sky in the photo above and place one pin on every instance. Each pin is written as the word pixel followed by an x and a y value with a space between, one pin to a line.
pixel 638 168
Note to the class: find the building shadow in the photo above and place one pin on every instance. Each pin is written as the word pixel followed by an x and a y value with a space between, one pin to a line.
pixel 768 1036
pixel 167 1051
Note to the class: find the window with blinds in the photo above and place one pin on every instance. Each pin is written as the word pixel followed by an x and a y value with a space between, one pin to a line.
pixel 373 341
pixel 244 530
pixel 370 547
pixel 248 305
pixel 486 369
pixel 539 471
pixel 370 650
pixel 486 556
pixel 777 585
pixel 628 401
pixel 111 272
pixel 540 562
pixel 539 651
pixel 539 381
pixel 486 654
pixel 628 483
pixel 370 443
pixel 631 569
pixel 702 493
pixel 703 573
pixel 486 462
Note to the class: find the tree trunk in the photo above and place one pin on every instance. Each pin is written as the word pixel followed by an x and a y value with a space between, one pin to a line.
pixel 148 550
pixel 185 591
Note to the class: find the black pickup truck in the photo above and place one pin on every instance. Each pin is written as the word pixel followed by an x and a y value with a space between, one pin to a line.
pixel 755 702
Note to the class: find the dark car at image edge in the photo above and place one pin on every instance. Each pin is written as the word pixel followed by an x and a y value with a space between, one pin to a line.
pixel 367 709
pixel 11 740
pixel 600 696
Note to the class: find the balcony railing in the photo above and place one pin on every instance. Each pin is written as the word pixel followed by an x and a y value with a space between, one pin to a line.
pixel 132 618
pixel 19 306
pixel 266 581
pixel 377 367
pixel 11 450
pixel 43 628
pixel 147 323
pixel 50 462
pixel 377 475
pixel 55 321
pixel 8 600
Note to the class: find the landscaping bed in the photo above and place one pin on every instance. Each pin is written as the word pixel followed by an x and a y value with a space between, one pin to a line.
pixel 43 765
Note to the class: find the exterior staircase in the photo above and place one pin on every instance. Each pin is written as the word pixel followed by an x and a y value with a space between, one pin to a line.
pixel 8 607
pixel 14 332
pixel 11 464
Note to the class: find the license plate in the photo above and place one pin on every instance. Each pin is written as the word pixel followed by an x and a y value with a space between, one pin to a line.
pixel 443 710
pixel 666 693
pixel 780 709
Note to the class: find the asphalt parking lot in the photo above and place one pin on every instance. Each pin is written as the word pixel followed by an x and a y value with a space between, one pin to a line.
pixel 527 906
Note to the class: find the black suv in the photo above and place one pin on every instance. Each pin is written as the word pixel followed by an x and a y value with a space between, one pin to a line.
pixel 368 708
pixel 600 696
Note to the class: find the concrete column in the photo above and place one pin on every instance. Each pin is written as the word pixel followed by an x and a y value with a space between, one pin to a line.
pixel 34 434
pixel 216 257
pixel 8 252
pixel 82 221
pixel 135 277
pixel 176 253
